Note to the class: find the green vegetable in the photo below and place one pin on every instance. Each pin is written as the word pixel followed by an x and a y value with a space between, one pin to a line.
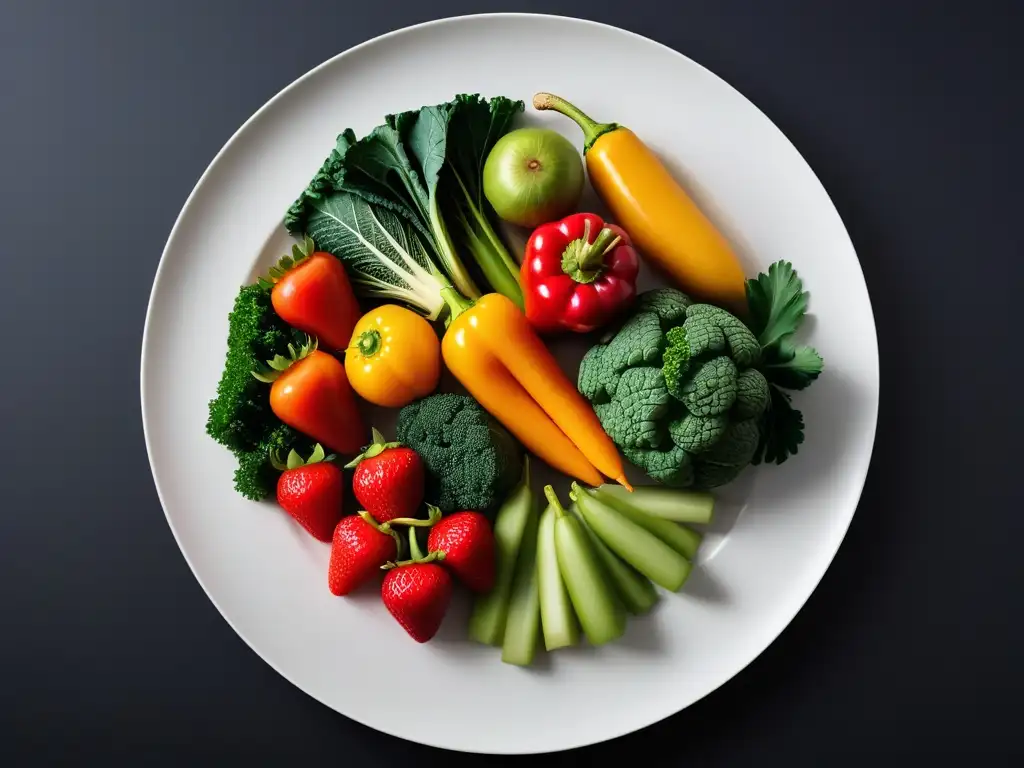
pixel 522 627
pixel 689 393
pixel 682 506
pixel 239 417
pixel 683 540
pixel 778 304
pixel 599 609
pixel 636 545
pixel 558 621
pixel 490 611
pixel 423 166
pixel 636 590
pixel 471 460
pixel 383 254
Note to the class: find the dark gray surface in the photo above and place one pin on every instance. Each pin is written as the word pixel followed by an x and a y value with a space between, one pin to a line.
pixel 910 647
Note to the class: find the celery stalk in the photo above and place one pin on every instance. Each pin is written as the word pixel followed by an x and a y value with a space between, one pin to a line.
pixel 522 628
pixel 682 506
pixel 558 622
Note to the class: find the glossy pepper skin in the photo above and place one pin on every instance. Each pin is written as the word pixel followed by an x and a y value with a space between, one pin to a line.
pixel 493 351
pixel 394 357
pixel 578 274
pixel 309 392
pixel 669 229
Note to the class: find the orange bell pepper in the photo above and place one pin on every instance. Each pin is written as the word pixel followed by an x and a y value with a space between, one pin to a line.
pixel 492 350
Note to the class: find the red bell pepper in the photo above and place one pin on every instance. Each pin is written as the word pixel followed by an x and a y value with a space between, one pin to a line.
pixel 578 274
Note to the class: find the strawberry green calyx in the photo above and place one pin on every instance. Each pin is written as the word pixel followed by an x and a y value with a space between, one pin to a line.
pixel 279 364
pixel 294 460
pixel 382 528
pixel 416 556
pixel 298 255
pixel 376 448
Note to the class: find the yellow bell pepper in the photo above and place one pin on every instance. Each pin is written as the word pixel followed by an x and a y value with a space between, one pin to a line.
pixel 394 357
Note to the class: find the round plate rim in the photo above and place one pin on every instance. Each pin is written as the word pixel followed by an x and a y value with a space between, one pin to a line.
pixel 183 214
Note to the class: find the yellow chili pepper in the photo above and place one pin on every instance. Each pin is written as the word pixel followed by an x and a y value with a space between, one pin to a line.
pixel 492 350
pixel 394 357
pixel 667 226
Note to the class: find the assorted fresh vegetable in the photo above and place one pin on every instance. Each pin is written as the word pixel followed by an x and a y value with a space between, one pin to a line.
pixel 470 459
pixel 683 388
pixel 311 292
pixel 578 274
pixel 405 220
pixel 394 357
pixel 668 227
pixel 491 348
pixel 533 176
pixel 309 392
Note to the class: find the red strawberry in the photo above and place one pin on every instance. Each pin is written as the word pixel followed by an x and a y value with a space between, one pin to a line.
pixel 418 595
pixel 311 491
pixel 467 542
pixel 388 480
pixel 357 552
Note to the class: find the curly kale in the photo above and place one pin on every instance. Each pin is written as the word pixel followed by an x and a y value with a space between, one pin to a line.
pixel 472 462
pixel 689 393
pixel 239 416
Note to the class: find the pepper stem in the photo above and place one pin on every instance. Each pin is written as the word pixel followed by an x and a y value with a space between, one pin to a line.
pixel 457 303
pixel 592 130
pixel 583 260
pixel 552 497
pixel 369 343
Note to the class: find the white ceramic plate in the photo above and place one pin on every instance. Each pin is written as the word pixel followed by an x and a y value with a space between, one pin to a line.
pixel 778 528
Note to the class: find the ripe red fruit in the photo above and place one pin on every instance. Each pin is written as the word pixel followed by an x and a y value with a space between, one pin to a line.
pixel 467 541
pixel 311 491
pixel 358 550
pixel 418 596
pixel 388 480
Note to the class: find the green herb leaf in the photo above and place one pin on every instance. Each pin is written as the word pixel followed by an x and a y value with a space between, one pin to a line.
pixel 790 366
pixel 782 430
pixel 777 303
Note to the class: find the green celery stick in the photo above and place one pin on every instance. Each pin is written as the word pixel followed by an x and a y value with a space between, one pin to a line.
pixel 558 622
pixel 633 543
pixel 522 628
pixel 682 506
pixel 602 615
pixel 636 590
pixel 487 620
pixel 683 540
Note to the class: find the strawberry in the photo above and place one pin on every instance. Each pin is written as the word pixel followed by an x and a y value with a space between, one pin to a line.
pixel 417 592
pixel 358 551
pixel 388 480
pixel 466 544
pixel 418 595
pixel 311 491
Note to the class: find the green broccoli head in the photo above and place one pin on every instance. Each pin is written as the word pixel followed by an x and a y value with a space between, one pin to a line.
pixel 675 389
pixel 256 478
pixel 472 461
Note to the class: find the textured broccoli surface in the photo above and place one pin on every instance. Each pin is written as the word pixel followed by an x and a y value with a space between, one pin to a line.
pixel 675 389
pixel 240 417
pixel 472 461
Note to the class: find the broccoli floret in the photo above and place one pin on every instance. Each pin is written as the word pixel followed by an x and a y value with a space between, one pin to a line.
pixel 472 461
pixel 676 390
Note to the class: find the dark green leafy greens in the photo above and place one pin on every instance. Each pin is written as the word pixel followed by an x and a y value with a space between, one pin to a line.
pixel 384 254
pixel 425 167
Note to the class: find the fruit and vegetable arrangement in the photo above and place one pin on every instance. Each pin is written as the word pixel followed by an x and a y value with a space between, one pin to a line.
pixel 401 274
